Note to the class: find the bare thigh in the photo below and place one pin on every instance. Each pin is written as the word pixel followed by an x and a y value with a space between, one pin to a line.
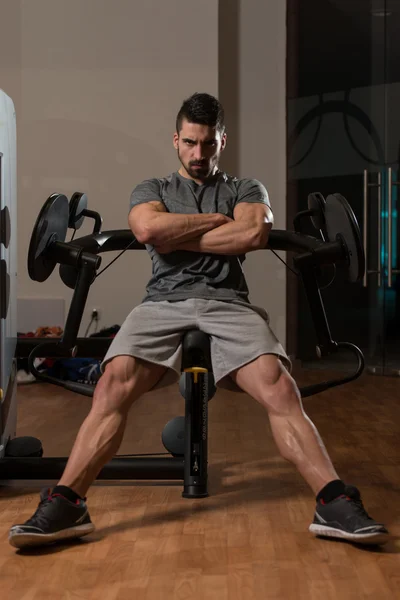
pixel 124 380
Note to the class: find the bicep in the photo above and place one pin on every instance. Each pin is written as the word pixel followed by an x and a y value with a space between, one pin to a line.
pixel 256 214
pixel 141 215
pixel 258 220
pixel 253 196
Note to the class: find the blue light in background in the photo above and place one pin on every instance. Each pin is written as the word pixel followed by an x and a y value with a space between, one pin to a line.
pixel 384 216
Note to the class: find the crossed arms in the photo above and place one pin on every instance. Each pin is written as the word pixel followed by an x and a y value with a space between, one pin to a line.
pixel 208 233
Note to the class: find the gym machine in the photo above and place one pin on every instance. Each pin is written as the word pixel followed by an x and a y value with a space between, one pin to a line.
pixel 336 246
pixel 8 271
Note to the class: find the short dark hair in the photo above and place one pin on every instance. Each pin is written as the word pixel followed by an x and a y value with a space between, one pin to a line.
pixel 203 109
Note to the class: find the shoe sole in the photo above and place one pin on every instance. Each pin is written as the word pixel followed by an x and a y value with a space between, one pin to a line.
pixel 360 538
pixel 22 540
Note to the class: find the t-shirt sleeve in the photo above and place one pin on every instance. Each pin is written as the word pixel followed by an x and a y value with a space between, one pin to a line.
pixel 148 190
pixel 252 190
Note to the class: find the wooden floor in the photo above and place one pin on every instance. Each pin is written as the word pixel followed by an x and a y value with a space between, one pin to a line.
pixel 249 540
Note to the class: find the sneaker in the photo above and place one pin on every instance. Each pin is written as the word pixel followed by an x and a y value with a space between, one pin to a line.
pixel 55 519
pixel 346 518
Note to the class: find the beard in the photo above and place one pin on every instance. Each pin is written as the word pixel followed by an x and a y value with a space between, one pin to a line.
pixel 199 169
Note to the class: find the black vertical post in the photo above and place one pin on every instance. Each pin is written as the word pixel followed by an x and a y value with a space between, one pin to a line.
pixel 86 275
pixel 305 265
pixel 196 435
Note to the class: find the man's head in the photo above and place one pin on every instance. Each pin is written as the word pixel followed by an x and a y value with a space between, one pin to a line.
pixel 200 135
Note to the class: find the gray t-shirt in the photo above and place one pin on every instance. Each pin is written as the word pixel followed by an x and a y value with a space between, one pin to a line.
pixel 183 274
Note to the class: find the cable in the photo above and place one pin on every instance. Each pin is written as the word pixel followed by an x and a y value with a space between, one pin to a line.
pixel 316 388
pixel 89 326
pixel 135 240
pixel 117 257
pixel 285 263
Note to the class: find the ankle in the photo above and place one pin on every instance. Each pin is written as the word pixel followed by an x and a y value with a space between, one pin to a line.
pixel 67 493
pixel 331 490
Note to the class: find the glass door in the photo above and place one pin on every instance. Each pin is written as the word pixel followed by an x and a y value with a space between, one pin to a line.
pixel 338 140
pixel 391 15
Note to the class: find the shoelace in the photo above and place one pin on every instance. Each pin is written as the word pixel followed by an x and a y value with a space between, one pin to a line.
pixel 359 507
pixel 38 519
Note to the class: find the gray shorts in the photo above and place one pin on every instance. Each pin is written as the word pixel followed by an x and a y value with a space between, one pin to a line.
pixel 238 335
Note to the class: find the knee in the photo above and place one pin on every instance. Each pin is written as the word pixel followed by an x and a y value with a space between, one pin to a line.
pixel 280 395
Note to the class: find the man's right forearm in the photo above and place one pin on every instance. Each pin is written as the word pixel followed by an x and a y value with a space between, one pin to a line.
pixel 177 228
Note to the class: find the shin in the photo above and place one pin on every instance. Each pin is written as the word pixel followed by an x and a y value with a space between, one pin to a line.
pixel 124 381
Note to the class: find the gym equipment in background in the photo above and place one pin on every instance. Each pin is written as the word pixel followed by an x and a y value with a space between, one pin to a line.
pixel 8 271
pixel 337 244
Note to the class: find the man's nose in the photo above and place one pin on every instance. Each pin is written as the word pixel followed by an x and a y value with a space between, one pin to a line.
pixel 198 152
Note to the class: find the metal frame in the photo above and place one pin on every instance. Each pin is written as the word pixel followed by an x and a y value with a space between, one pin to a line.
pixel 192 468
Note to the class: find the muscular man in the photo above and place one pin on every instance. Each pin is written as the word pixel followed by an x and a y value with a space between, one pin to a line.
pixel 198 224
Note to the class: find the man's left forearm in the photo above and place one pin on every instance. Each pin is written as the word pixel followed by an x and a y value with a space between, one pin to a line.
pixel 232 238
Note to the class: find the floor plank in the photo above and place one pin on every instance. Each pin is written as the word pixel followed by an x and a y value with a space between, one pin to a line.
pixel 249 539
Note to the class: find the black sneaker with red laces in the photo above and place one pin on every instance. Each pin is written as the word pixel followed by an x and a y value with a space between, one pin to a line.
pixel 346 518
pixel 55 519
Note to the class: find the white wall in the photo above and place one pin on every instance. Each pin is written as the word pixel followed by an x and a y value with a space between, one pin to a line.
pixel 97 85
pixel 101 83
pixel 254 90
pixel 263 138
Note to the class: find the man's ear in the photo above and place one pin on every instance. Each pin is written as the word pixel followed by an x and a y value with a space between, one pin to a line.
pixel 223 142
pixel 176 140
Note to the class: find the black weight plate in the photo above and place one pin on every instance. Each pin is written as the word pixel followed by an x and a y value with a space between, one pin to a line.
pixel 69 275
pixel 51 226
pixel 316 202
pixel 23 447
pixel 77 205
pixel 4 289
pixel 5 227
pixel 325 275
pixel 342 225
pixel 173 436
